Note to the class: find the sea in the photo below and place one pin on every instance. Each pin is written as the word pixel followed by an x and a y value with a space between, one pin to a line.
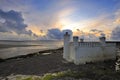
pixel 10 48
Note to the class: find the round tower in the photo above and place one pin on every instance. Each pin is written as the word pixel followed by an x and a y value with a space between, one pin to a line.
pixel 75 41
pixel 67 37
pixel 102 39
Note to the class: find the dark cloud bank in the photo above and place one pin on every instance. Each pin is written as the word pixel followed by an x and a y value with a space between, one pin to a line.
pixel 116 33
pixel 56 33
pixel 12 21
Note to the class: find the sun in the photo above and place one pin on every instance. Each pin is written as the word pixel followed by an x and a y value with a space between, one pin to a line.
pixel 71 27
pixel 68 25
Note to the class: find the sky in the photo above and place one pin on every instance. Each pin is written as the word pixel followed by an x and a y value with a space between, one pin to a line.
pixel 46 19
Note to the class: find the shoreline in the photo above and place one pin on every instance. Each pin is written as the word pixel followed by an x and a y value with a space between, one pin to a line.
pixel 30 54
pixel 3 46
pixel 33 64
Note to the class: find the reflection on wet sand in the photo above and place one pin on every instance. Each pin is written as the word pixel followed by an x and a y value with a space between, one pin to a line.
pixel 12 49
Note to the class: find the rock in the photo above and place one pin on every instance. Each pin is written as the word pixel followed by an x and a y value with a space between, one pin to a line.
pixel 105 77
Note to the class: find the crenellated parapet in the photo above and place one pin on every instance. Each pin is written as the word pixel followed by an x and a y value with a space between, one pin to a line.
pixel 80 51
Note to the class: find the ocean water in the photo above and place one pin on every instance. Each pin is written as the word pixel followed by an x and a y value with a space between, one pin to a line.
pixel 14 48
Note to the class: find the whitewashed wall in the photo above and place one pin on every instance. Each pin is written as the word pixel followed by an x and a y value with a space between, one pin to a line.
pixel 72 52
pixel 90 52
pixel 94 53
pixel 82 52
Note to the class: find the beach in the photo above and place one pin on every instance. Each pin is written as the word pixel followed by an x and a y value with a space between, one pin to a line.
pixel 37 63
pixel 51 61
pixel 11 48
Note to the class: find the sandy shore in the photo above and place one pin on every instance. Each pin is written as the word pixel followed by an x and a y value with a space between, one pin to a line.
pixel 51 61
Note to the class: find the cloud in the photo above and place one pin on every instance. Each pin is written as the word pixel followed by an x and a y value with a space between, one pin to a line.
pixel 18 29
pixel 91 35
pixel 54 33
pixel 104 23
pixel 18 5
pixel 49 18
pixel 96 30
pixel 43 17
pixel 115 35
pixel 57 34
pixel 86 35
pixel 13 22
pixel 117 17
pixel 67 30
pixel 11 36
pixel 36 30
pixel 55 16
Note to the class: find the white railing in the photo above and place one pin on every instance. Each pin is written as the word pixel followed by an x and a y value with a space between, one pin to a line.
pixel 89 44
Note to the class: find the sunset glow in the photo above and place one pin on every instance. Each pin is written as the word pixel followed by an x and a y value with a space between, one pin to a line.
pixel 35 18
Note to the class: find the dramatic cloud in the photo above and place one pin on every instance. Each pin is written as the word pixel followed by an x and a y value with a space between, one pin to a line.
pixel 116 33
pixel 82 17
pixel 67 30
pixel 92 34
pixel 13 22
pixel 95 30
pixel 55 34
pixel 117 16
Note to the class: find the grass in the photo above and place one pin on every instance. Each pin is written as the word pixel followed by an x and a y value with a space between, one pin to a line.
pixel 93 75
pixel 49 76
pixel 28 78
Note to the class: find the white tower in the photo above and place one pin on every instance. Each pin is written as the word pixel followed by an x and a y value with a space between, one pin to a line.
pixel 75 41
pixel 102 39
pixel 103 44
pixel 66 54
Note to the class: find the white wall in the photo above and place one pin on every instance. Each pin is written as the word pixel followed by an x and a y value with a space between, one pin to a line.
pixel 91 52
pixel 72 52
pixel 82 52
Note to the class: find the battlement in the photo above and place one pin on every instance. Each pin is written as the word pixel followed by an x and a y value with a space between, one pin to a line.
pixel 80 51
